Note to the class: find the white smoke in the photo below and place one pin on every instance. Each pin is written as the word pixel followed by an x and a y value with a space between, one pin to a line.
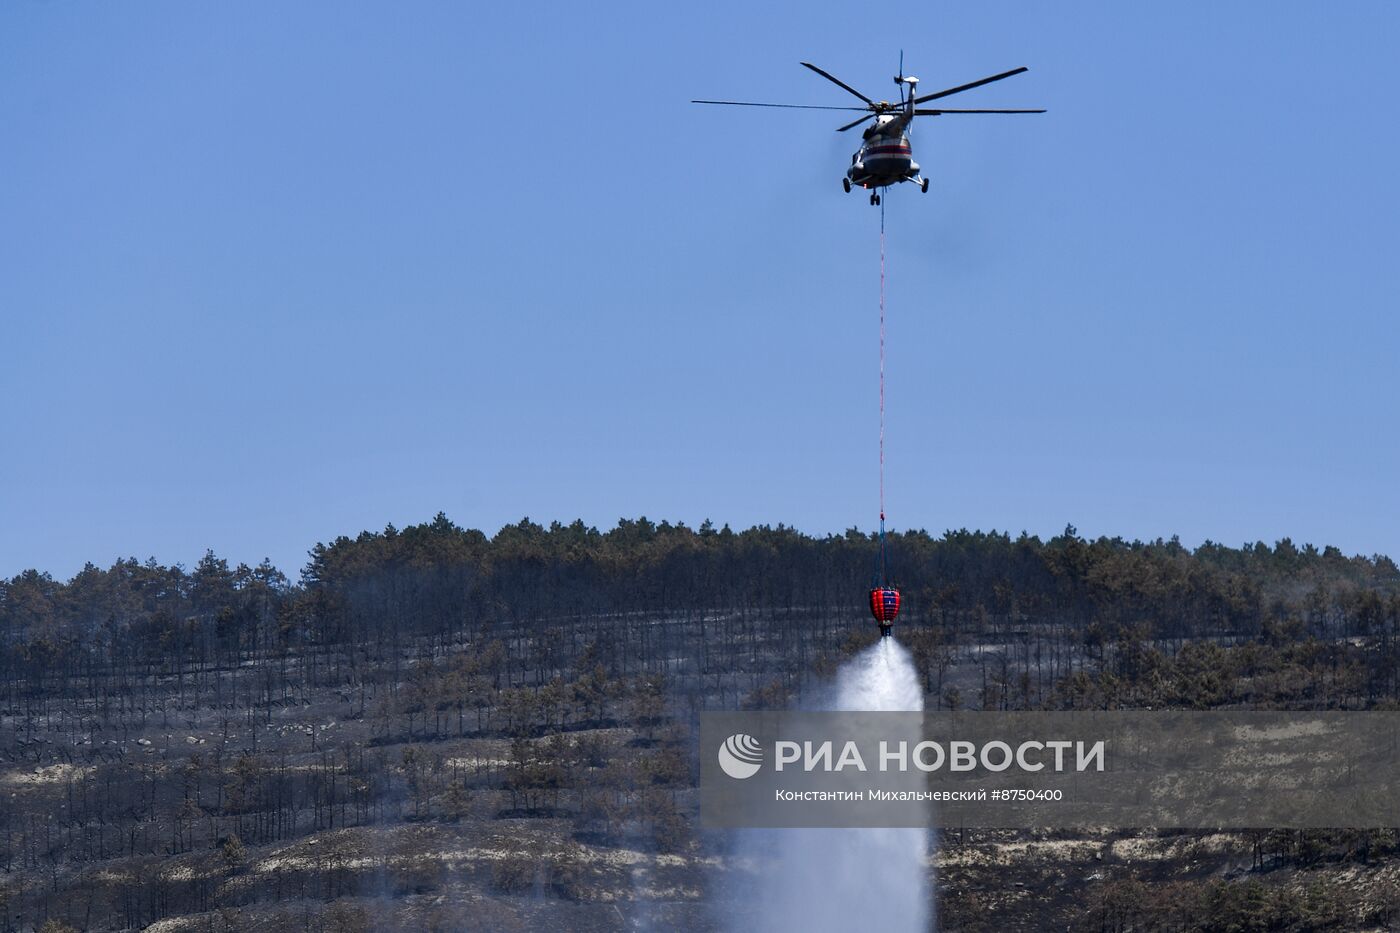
pixel 816 880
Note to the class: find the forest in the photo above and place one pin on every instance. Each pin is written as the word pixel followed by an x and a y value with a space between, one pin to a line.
pixel 432 727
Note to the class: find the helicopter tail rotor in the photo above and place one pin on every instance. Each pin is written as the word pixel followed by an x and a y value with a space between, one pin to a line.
pixel 908 84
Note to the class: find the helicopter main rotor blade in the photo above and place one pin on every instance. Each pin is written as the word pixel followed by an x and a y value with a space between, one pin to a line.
pixel 967 87
pixel 745 103
pixel 934 113
pixel 854 123
pixel 838 82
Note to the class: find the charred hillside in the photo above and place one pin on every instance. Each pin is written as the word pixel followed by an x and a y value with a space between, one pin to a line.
pixel 433 728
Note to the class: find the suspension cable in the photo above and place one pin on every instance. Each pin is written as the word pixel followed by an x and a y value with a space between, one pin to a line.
pixel 884 578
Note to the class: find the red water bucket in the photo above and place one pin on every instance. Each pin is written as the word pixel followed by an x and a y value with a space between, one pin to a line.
pixel 884 604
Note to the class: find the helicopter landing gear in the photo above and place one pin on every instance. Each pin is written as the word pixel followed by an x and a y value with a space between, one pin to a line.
pixel 874 200
pixel 846 184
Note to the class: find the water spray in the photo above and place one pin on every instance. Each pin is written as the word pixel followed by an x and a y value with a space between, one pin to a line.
pixel 840 880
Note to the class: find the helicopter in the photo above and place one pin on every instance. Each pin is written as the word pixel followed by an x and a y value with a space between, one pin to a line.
pixel 885 156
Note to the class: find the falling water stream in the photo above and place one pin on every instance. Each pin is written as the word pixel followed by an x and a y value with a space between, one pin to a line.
pixel 848 879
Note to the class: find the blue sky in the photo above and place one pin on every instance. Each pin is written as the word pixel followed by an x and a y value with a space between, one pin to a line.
pixel 270 273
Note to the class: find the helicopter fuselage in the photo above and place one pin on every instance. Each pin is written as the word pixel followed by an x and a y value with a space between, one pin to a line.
pixel 882 161
pixel 885 156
